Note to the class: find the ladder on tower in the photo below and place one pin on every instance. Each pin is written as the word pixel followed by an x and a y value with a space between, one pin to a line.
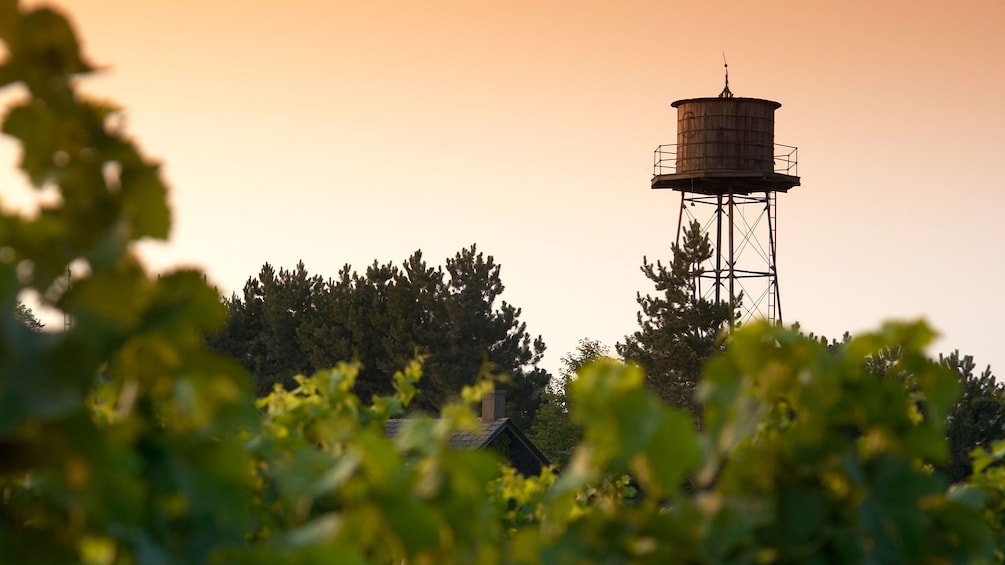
pixel 773 307
pixel 67 318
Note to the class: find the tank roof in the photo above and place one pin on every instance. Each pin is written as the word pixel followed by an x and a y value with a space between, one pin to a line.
pixel 775 105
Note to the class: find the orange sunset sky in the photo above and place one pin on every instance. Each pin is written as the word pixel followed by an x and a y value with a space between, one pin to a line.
pixel 347 131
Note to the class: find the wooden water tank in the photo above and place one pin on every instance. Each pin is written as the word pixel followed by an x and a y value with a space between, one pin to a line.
pixel 725 145
pixel 725 134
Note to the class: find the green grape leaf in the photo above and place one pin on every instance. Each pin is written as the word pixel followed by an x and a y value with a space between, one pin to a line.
pixel 115 298
pixel 37 128
pixel 9 22
pixel 672 452
pixel 144 201
pixel 47 47
pixel 415 523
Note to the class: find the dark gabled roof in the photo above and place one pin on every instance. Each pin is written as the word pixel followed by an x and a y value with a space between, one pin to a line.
pixel 477 439
pixel 462 439
pixel 529 464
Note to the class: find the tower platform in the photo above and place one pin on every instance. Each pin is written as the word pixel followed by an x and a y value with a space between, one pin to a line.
pixel 725 182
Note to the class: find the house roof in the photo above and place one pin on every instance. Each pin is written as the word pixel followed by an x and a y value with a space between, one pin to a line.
pixel 483 437
pixel 461 439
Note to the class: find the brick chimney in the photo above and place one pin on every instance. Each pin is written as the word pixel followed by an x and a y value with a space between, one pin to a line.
pixel 493 406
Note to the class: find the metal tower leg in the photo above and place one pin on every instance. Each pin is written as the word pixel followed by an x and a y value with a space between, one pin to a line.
pixel 680 214
pixel 732 262
pixel 718 248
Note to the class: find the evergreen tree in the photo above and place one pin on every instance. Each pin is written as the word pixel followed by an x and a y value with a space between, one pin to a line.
pixel 383 319
pixel 977 419
pixel 478 335
pixel 24 315
pixel 262 328
pixel 679 329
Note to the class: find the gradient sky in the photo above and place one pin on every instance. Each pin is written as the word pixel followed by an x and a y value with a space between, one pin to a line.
pixel 346 131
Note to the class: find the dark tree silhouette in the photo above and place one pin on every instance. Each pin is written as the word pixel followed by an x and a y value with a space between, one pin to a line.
pixel 291 322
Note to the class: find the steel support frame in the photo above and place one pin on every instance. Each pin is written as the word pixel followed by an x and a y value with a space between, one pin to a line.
pixel 728 222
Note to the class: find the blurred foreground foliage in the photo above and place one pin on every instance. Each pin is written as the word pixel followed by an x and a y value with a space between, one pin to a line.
pixel 125 440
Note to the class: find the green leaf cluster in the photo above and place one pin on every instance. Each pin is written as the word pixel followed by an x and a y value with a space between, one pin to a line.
pixel 330 481
pixel 118 435
pixel 817 457
pixel 976 420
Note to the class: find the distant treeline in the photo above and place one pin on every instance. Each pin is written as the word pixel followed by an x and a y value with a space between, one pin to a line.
pixel 288 322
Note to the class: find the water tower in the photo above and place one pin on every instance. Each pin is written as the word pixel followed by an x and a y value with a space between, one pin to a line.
pixel 729 170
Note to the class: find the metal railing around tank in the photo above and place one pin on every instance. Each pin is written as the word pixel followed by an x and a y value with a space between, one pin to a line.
pixel 786 160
